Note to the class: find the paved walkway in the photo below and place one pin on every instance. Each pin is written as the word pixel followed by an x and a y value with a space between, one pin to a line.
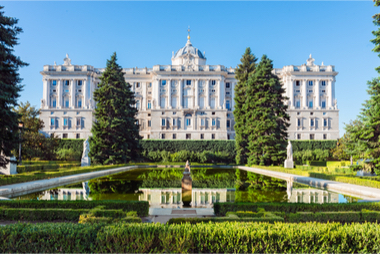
pixel 163 215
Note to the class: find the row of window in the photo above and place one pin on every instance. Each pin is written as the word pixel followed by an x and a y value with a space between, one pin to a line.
pixel 187 103
pixel 314 122
pixel 310 103
pixel 66 122
pixel 66 102
pixel 67 82
pixel 188 136
pixel 189 82
pixel 65 135
pixel 311 83
pixel 323 91
pixel 311 136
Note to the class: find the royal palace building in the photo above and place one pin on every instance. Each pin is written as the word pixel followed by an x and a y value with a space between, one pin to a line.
pixel 187 99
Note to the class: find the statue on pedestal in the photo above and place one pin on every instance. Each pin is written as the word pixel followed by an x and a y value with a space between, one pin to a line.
pixel 86 149
pixel 289 159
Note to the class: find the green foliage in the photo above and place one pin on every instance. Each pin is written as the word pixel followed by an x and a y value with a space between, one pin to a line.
pixel 45 167
pixel 227 237
pixel 341 216
pixel 99 215
pixel 73 144
pixel 9 86
pixel 193 221
pixel 220 209
pixel 242 72
pixel 172 146
pixel 140 207
pixel 266 116
pixel 301 145
pixel 31 214
pixel 68 154
pixel 115 133
pixel 184 155
pixel 341 152
pixel 311 155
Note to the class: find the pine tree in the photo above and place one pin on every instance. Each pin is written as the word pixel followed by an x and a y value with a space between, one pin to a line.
pixel 247 66
pixel 266 116
pixel 115 132
pixel 9 86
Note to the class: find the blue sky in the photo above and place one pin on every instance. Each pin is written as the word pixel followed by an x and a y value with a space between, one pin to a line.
pixel 145 33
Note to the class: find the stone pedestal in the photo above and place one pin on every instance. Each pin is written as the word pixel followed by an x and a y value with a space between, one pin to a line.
pixel 10 168
pixel 364 173
pixel 187 182
pixel 288 164
pixel 86 161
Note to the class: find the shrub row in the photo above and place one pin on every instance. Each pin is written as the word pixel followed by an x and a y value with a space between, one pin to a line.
pixel 189 145
pixel 271 219
pixel 342 216
pixel 302 145
pixel 30 214
pixel 305 156
pixel 184 155
pixel 141 207
pixel 44 167
pixel 99 215
pixel 228 237
pixel 220 209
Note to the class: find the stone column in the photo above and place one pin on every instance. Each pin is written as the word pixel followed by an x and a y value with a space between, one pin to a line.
pixel 221 93
pixel 207 102
pixel 304 94
pixel 333 90
pixel 46 94
pixel 144 95
pixel 59 89
pixel 169 103
pixel 330 94
pixel 72 93
pixel 180 95
pixel 196 106
pixel 291 93
pixel 232 96
pixel 317 96
pixel 85 91
pixel 158 93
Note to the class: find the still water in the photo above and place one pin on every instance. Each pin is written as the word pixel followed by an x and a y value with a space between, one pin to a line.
pixel 162 188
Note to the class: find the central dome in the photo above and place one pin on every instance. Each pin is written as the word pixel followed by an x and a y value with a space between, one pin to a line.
pixel 189 49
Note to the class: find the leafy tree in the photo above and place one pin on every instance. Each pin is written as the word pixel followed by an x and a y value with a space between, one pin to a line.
pixel 365 135
pixel 34 144
pixel 266 117
pixel 10 86
pixel 115 132
pixel 247 66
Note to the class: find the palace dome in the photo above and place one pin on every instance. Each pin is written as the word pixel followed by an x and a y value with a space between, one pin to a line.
pixel 189 49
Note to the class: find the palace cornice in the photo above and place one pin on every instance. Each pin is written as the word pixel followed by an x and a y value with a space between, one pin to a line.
pixel 309 73
pixel 68 73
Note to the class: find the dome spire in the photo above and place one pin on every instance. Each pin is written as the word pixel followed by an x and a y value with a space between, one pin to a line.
pixel 188 34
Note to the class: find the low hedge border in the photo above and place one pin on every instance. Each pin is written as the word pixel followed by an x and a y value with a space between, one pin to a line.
pixel 141 207
pixel 44 167
pixel 272 219
pixel 342 217
pixel 220 209
pixel 227 237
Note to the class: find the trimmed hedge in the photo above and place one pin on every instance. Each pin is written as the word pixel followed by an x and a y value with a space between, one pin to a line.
pixel 141 207
pixel 45 167
pixel 301 145
pixel 271 219
pixel 189 145
pixel 228 237
pixel 342 217
pixel 221 209
pixel 75 144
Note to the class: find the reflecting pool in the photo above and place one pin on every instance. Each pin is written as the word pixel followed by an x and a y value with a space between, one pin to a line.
pixel 162 188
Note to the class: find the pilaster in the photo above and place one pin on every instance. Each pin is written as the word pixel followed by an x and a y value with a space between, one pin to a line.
pixel 169 102
pixel 196 106
pixel 304 94
pixel 180 95
pixel 207 106
pixel 72 93
pixel 317 95
pixel 59 92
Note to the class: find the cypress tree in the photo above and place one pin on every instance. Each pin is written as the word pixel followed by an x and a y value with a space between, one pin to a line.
pixel 266 116
pixel 247 66
pixel 10 87
pixel 115 132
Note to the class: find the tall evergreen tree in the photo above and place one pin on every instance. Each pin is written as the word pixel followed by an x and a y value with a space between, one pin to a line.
pixel 266 116
pixel 247 66
pixel 9 86
pixel 115 132
pixel 367 135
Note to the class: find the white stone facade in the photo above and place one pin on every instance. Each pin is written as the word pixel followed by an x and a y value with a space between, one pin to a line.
pixel 187 99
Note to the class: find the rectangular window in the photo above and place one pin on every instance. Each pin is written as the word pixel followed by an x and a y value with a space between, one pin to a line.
pixel 149 84
pixel 298 136
pixel 54 82
pixel 297 83
pixel 323 91
pixel 188 82
pixel 213 82
pixel 312 122
pixel 212 102
pixel 64 135
pixel 227 85
pixel 163 82
pixel 323 83
pixel 228 136
pixel 311 136
pixel 188 122
pixel 213 122
pixel 298 122
pixel 147 136
pixel 52 121
pixel 149 104
pixel 188 136
pixel 79 82
pixel 323 104
pixel 310 91
pixel 325 122
pixel 324 136
pixel 162 136
pixel 54 103
pixel 228 123
pixel 163 102
pixel 174 136
pixel 174 102
pixel 310 82
pixel 65 122
pixel 201 102
pixel 173 121
pixel 202 122
pixel 298 104
pixel 66 103
pixel 163 122
pixel 79 103
pixel 202 136
pixel 149 123
pixel 138 104
pixel 78 121
pixel 78 136
pixel 310 104
pixel 137 84
pixel 212 136
pixel 228 104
